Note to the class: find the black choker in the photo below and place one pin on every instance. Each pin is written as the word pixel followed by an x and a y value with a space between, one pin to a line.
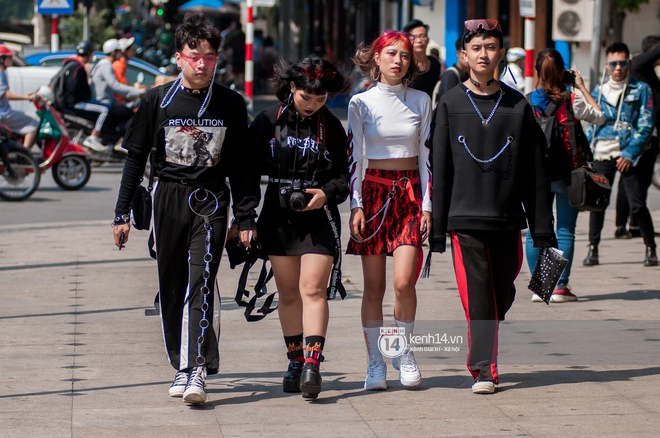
pixel 195 90
pixel 478 84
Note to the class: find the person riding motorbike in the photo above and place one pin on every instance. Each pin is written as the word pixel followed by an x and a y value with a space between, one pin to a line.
pixel 104 85
pixel 74 94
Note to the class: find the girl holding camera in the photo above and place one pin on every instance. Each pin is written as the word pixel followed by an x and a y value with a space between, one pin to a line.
pixel 302 147
pixel 391 205
pixel 551 88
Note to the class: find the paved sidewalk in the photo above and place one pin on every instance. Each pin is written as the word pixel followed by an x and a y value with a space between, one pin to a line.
pixel 81 359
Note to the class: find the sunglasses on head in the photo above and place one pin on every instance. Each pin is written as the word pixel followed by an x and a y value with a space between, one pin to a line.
pixel 391 33
pixel 314 73
pixel 612 64
pixel 485 24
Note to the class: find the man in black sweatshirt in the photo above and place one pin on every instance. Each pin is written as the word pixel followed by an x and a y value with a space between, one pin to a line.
pixel 488 184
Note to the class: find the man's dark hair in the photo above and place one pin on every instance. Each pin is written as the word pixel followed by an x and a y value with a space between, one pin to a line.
pixel 618 48
pixel 194 29
pixel 650 42
pixel 483 33
pixel 414 24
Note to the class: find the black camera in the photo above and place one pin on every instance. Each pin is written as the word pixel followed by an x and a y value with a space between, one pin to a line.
pixel 293 197
pixel 569 77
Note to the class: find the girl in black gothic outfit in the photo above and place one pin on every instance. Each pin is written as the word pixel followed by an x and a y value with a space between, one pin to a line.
pixel 199 132
pixel 303 149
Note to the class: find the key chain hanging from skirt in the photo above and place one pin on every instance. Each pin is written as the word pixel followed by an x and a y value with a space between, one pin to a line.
pixel 208 257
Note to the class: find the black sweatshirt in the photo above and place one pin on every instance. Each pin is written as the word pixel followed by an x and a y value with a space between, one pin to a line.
pixel 198 150
pixel 472 195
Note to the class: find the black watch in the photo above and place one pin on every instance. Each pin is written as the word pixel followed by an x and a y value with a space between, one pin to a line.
pixel 121 220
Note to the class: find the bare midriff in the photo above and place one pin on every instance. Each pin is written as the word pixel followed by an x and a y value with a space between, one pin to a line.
pixel 393 164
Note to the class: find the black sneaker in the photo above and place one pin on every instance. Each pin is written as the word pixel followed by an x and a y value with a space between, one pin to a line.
pixel 310 380
pixel 291 381
pixel 651 258
pixel 194 393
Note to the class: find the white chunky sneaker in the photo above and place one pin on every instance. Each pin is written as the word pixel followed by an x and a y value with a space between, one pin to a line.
pixel 376 374
pixel 179 385
pixel 95 144
pixel 194 393
pixel 409 374
pixel 483 387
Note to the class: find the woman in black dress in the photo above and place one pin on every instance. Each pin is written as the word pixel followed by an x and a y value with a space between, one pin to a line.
pixel 303 149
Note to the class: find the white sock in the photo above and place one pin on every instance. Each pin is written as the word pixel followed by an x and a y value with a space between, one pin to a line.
pixel 408 326
pixel 371 335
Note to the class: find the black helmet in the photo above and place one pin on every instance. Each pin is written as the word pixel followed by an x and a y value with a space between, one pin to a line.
pixel 84 47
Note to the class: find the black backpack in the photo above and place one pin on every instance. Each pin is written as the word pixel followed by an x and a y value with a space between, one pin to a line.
pixel 59 85
pixel 558 160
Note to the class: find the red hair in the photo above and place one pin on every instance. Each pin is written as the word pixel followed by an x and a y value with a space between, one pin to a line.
pixel 364 57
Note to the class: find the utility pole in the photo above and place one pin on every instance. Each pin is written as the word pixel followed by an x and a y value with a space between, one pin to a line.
pixel 595 44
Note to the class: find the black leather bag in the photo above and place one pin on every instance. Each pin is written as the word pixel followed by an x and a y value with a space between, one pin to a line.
pixel 549 268
pixel 588 190
pixel 141 208
pixel 141 202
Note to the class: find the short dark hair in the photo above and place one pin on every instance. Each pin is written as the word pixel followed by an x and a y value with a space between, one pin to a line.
pixel 312 74
pixel 415 23
pixel 482 33
pixel 194 29
pixel 618 48
pixel 650 42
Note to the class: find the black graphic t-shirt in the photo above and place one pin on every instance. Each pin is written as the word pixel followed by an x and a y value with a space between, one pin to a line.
pixel 191 148
pixel 197 150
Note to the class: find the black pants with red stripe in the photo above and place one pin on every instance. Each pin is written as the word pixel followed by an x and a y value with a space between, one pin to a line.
pixel 181 249
pixel 486 264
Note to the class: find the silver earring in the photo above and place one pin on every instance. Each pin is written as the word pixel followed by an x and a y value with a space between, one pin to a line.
pixel 376 74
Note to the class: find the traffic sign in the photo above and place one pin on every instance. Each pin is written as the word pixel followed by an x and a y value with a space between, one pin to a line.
pixel 52 7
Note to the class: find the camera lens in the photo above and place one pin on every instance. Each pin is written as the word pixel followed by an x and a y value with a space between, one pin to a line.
pixel 297 201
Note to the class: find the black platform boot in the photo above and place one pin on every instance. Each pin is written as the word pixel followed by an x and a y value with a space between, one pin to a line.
pixel 651 258
pixel 291 381
pixel 310 380
pixel 592 256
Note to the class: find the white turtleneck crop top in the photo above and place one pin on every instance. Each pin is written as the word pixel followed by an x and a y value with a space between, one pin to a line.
pixel 392 121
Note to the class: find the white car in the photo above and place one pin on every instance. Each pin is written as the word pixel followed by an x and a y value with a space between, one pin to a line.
pixel 28 79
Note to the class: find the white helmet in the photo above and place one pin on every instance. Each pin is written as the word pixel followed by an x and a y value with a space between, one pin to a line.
pixel 514 54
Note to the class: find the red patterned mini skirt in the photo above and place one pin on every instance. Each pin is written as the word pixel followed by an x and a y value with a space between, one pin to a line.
pixel 392 201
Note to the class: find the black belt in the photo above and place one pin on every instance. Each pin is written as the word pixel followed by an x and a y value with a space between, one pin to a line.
pixel 193 183
pixel 289 181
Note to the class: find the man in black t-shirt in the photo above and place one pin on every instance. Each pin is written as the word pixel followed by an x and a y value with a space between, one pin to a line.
pixel 198 132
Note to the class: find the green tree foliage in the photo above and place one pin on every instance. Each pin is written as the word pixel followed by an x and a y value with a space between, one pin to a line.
pixel 13 10
pixel 71 28
pixel 628 5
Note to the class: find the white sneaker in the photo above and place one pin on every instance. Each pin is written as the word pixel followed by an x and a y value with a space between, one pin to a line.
pixel 194 393
pixel 483 387
pixel 376 374
pixel 536 298
pixel 95 144
pixel 409 374
pixel 179 385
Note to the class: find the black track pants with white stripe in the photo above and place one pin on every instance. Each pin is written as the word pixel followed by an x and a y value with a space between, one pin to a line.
pixel 180 247
pixel 486 264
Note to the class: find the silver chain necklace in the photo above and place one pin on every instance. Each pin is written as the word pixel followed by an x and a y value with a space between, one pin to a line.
pixel 492 113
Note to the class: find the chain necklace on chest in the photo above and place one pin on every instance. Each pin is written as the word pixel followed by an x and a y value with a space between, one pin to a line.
pixel 492 113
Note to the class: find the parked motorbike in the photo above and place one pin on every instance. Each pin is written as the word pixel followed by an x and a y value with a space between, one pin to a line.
pixel 80 128
pixel 19 171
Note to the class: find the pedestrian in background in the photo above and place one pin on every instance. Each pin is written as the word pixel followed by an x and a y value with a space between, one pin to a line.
pixel 199 130
pixel 643 69
pixel 513 73
pixel 391 207
pixel 303 149
pixel 457 73
pixel 429 67
pixel 551 89
pixel 488 163
pixel 627 105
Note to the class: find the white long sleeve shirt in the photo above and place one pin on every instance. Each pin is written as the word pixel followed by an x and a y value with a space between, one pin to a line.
pixel 389 122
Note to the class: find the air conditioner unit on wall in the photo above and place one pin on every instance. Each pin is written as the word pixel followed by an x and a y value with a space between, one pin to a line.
pixel 573 20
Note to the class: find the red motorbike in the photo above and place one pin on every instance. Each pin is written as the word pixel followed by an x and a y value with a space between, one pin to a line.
pixel 69 161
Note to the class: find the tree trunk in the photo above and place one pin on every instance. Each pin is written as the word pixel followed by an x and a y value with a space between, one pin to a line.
pixel 615 30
